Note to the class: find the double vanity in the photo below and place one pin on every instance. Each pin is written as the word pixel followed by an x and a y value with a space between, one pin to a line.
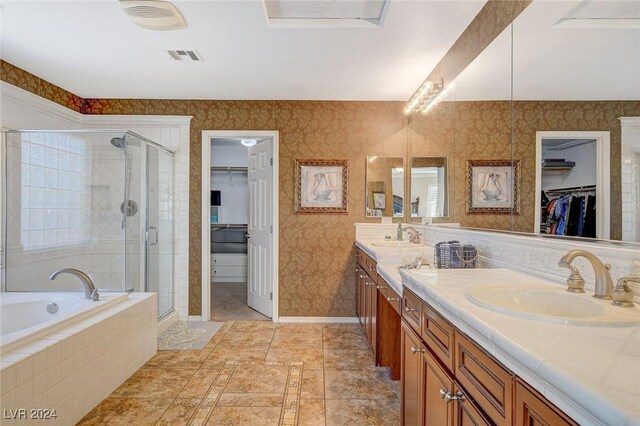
pixel 495 345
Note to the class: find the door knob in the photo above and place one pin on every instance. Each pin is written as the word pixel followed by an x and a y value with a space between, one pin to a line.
pixel 247 235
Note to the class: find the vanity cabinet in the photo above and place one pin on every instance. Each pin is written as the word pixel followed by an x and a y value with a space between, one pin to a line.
pixel 447 379
pixel 378 310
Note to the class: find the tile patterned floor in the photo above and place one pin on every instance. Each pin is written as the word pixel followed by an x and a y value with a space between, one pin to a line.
pixel 259 373
pixel 229 303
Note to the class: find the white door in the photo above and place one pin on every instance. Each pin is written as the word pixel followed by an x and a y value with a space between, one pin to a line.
pixel 260 284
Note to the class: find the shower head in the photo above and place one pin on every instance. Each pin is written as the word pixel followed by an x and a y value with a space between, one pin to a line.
pixel 119 142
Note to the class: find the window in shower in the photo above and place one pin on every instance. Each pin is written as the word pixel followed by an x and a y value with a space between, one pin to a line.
pixel 54 175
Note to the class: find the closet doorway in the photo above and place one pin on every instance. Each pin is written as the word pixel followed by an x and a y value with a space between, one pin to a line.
pixel 573 184
pixel 239 232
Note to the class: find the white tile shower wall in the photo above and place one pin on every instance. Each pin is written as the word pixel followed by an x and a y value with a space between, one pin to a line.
pixel 24 110
pixel 533 255
pixel 173 133
pixel 74 369
pixel 630 178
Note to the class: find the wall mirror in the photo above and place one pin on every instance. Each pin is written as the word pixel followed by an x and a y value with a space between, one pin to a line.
pixel 428 187
pixel 558 93
pixel 385 192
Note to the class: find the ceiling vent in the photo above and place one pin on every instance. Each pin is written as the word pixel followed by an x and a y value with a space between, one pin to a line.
pixel 153 14
pixel 185 55
pixel 325 13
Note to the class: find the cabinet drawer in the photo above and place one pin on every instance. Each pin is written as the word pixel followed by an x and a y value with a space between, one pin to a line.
pixel 230 271
pixel 382 287
pixel 361 258
pixel 533 409
pixel 394 298
pixel 438 334
pixel 229 259
pixel 484 379
pixel 411 309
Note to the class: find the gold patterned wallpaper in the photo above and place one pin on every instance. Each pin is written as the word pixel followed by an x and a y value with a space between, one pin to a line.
pixel 316 251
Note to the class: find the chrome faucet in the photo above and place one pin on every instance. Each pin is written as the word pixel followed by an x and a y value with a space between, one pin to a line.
pixel 414 236
pixel 90 290
pixel 604 284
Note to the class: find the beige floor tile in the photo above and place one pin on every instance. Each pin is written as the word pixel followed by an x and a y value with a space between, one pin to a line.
pixel 245 339
pixel 258 379
pixel 362 412
pixel 291 340
pixel 253 326
pixel 199 384
pixel 348 359
pixel 126 412
pixel 178 359
pixel 151 382
pixel 341 330
pixel 220 356
pixel 229 302
pixel 312 358
pixel 312 384
pixel 300 328
pixel 359 384
pixel 244 416
pixel 179 412
pixel 251 399
pixel 312 412
pixel 355 343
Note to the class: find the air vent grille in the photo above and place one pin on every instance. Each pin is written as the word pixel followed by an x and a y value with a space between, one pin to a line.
pixel 153 14
pixel 185 55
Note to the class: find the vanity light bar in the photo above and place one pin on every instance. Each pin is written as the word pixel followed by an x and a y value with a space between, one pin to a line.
pixel 427 96
pixel 439 98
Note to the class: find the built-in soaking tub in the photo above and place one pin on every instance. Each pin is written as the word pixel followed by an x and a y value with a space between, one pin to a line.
pixel 25 317
pixel 67 361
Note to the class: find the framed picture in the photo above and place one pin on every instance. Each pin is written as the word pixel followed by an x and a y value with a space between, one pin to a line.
pixel 492 186
pixel 378 200
pixel 321 186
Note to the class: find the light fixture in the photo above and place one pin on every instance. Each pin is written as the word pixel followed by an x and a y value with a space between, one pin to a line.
pixel 248 142
pixel 427 96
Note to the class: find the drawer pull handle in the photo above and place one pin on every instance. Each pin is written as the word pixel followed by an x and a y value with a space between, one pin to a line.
pixel 380 287
pixel 415 351
pixel 448 396
pixel 361 276
pixel 371 269
pixel 392 299
pixel 408 309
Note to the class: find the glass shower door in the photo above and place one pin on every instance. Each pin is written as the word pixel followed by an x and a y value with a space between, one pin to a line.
pixel 159 227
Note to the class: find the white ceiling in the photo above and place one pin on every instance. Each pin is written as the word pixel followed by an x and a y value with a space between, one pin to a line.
pixel 92 49
pixel 557 63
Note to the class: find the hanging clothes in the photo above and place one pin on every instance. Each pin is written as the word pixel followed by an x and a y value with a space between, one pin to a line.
pixel 590 217
pixel 571 214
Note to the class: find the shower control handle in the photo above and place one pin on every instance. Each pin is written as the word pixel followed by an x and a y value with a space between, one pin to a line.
pixel 155 236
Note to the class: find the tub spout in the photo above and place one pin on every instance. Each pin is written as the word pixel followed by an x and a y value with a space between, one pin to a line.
pixel 90 290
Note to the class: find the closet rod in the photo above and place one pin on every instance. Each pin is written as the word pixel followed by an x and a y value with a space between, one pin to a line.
pixel 228 225
pixel 229 169
pixel 571 189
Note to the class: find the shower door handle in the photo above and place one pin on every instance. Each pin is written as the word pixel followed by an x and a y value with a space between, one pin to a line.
pixel 155 236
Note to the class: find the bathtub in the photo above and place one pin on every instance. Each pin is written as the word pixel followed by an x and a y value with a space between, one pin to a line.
pixel 24 316
pixel 69 360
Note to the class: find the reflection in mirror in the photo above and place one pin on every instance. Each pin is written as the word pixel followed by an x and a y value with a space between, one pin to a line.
pixel 429 192
pixel 385 187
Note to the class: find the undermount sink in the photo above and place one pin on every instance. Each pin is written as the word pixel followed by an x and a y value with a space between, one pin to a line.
pixel 546 303
pixel 394 243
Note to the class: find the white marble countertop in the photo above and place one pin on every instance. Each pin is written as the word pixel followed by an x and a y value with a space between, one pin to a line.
pixel 390 272
pixel 591 373
pixel 398 255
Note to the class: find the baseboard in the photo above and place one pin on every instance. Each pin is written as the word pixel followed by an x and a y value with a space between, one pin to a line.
pixel 167 322
pixel 319 320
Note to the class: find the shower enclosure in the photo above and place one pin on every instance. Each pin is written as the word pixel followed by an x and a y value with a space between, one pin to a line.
pixel 98 201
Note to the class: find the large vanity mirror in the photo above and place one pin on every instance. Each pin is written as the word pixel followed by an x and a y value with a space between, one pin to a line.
pixel 554 104
pixel 428 187
pixel 385 192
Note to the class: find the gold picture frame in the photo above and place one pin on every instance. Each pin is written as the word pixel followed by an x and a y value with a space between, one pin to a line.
pixel 321 186
pixel 493 187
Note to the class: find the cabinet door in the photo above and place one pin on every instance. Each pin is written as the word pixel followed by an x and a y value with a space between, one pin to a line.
pixel 436 383
pixel 411 377
pixel 363 294
pixel 358 302
pixel 466 413
pixel 532 409
pixel 373 318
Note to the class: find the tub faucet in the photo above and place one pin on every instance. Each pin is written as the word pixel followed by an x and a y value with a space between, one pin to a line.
pixel 604 283
pixel 414 236
pixel 90 290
